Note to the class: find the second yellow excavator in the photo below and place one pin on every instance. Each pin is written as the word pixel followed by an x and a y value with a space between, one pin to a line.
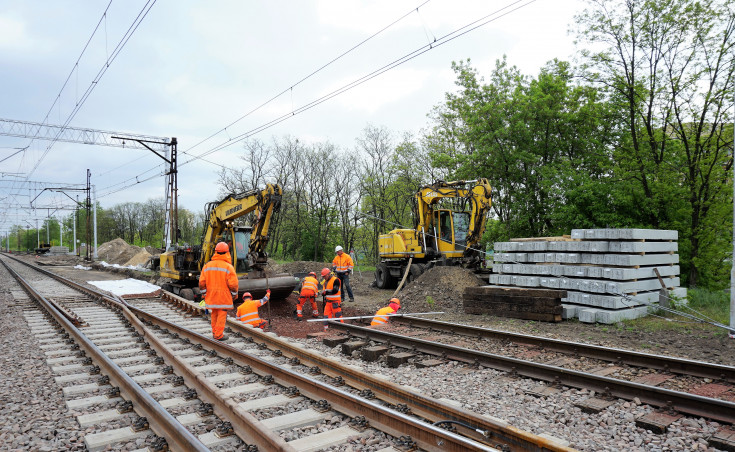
pixel 247 247
pixel 441 236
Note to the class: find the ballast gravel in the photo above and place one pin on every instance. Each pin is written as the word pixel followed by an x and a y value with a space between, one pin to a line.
pixel 490 392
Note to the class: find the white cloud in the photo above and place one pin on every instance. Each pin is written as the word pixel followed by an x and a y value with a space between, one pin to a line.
pixel 373 95
pixel 13 35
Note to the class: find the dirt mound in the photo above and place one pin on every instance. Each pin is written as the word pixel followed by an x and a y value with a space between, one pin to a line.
pixel 299 267
pixel 117 251
pixel 139 259
pixel 438 289
pixel 152 250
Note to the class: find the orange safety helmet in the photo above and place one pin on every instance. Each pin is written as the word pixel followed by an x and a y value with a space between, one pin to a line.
pixel 325 272
pixel 395 303
pixel 312 274
pixel 246 295
pixel 222 248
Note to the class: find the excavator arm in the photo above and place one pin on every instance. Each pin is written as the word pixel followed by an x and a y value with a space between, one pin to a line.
pixel 478 196
pixel 221 216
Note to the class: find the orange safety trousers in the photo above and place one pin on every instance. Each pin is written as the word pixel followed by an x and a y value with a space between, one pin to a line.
pixel 333 310
pixel 302 300
pixel 219 320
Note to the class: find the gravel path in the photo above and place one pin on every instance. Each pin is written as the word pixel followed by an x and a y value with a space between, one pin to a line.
pixel 33 414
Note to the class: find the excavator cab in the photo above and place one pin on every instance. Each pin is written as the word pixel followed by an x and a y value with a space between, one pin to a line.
pixel 240 248
pixel 453 229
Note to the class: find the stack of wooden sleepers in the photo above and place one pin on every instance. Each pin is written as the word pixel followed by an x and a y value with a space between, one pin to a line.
pixel 609 274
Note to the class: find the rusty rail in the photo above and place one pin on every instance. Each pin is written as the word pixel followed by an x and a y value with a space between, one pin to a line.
pixel 719 410
pixel 632 358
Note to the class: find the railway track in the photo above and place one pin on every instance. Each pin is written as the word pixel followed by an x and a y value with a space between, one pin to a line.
pixel 564 363
pixel 254 391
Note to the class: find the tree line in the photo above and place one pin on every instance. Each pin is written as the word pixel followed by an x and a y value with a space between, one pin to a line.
pixel 638 133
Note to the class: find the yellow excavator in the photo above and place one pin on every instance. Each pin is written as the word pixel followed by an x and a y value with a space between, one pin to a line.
pixel 441 236
pixel 183 265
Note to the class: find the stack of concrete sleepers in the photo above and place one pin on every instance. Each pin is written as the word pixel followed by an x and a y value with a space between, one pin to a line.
pixel 608 274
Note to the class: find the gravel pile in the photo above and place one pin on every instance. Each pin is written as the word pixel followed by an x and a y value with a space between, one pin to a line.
pixel 117 251
pixel 438 289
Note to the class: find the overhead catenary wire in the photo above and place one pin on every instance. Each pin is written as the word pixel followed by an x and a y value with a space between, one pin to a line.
pixel 408 57
pixel 289 89
pixel 303 79
pixel 95 82
pixel 461 31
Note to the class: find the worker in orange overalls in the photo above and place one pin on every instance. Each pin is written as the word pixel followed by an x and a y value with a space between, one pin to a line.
pixel 332 296
pixel 218 285
pixel 381 317
pixel 247 312
pixel 309 289
pixel 342 265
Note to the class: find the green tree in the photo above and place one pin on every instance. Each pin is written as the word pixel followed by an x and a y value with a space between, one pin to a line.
pixel 666 66
pixel 537 141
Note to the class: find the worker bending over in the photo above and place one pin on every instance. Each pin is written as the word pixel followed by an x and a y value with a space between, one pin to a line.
pixel 342 265
pixel 218 285
pixel 332 296
pixel 381 317
pixel 309 289
pixel 247 312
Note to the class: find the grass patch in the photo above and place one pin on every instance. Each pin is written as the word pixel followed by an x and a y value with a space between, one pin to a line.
pixel 714 305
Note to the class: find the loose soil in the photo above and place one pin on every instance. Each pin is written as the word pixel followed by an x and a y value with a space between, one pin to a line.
pixel 440 289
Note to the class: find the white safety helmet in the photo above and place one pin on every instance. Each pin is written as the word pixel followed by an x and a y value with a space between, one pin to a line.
pixel 339 248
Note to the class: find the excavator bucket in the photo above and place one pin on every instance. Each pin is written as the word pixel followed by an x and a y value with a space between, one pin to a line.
pixel 281 286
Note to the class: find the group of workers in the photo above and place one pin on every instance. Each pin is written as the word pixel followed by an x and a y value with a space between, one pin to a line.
pixel 218 286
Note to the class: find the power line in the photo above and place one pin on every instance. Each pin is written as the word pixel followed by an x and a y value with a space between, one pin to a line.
pixel 411 55
pixel 290 88
pixel 105 66
pixel 110 59
pixel 404 59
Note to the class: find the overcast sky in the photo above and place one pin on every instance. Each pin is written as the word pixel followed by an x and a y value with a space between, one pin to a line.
pixel 191 68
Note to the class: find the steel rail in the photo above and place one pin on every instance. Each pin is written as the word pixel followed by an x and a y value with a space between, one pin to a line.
pixel 513 438
pixel 388 420
pixel 245 425
pixel 160 420
pixel 719 410
pixel 616 355
pixel 385 419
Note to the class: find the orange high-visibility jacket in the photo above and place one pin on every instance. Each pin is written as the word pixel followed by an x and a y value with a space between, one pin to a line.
pixel 247 312
pixel 218 282
pixel 309 287
pixel 380 318
pixel 333 294
pixel 342 263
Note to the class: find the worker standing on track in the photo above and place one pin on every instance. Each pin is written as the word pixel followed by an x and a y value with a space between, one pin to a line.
pixel 309 289
pixel 218 285
pixel 342 265
pixel 381 317
pixel 331 293
pixel 247 312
